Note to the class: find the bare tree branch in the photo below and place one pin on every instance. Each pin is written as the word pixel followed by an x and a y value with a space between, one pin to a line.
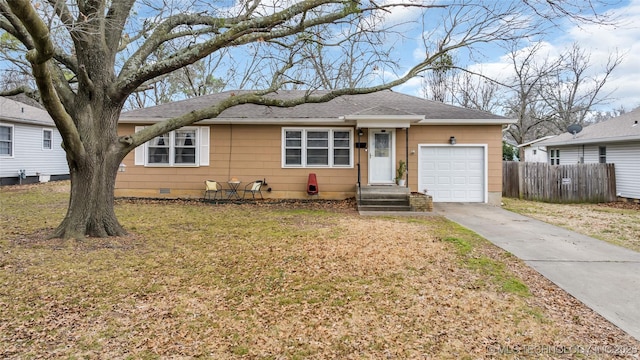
pixel 40 58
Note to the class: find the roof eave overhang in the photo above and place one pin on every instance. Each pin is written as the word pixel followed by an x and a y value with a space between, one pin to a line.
pixel 467 121
pixel 535 142
pixel 572 142
pixel 246 121
pixel 28 121
pixel 360 121
pixel 383 121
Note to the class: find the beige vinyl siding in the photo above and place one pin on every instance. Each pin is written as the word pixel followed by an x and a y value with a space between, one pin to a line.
pixel 246 152
pixel 252 152
pixel 477 135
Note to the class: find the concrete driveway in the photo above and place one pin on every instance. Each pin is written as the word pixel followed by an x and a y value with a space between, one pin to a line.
pixel 604 277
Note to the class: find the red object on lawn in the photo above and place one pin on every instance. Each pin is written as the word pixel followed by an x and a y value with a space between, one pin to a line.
pixel 312 185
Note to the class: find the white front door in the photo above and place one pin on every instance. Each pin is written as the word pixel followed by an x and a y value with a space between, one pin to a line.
pixel 381 156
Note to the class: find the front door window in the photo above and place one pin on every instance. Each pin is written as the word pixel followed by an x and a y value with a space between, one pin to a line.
pixel 381 157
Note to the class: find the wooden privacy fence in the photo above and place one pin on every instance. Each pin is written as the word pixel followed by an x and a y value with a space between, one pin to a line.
pixel 559 183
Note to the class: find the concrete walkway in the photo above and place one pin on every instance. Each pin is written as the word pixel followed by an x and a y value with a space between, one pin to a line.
pixel 604 277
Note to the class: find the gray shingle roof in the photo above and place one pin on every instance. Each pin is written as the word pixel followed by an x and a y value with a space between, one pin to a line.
pixel 14 111
pixel 379 103
pixel 537 140
pixel 625 127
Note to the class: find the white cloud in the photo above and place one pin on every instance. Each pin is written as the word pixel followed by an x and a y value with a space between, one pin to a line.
pixel 624 38
pixel 600 41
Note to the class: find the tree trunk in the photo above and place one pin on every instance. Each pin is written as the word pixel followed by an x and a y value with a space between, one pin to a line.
pixel 91 205
pixel 93 172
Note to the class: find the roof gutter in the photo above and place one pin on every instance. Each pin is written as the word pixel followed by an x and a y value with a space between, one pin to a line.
pixel 591 141
pixel 28 121
pixel 245 121
pixel 382 121
pixel 503 121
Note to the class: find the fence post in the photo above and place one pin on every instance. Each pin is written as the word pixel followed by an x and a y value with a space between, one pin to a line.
pixel 520 169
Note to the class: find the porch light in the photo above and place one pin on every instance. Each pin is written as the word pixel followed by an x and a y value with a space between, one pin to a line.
pixel 452 140
pixel 122 167
pixel 360 132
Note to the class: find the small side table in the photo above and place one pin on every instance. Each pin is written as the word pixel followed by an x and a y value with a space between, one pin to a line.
pixel 233 189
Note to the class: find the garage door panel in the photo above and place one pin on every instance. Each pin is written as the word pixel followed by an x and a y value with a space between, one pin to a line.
pixel 460 195
pixel 475 166
pixel 474 155
pixel 475 180
pixel 453 173
pixel 459 166
pixel 442 194
pixel 444 180
pixel 459 180
pixel 443 166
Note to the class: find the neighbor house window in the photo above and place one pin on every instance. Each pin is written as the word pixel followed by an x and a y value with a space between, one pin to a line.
pixel 175 148
pixel 554 157
pixel 47 139
pixel 602 154
pixel 6 140
pixel 317 147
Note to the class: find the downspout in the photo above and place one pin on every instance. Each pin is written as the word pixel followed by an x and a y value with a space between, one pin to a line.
pixel 359 175
pixel 406 153
pixel 230 151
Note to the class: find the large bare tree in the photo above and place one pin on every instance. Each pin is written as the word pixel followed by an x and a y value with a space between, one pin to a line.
pixel 550 93
pixel 575 88
pixel 526 105
pixel 88 56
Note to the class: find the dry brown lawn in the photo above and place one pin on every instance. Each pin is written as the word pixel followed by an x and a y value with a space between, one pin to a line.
pixel 276 281
pixel 617 223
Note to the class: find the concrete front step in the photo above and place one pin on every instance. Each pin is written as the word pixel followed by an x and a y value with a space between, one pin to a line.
pixel 384 192
pixel 385 202
pixel 389 208
pixel 383 198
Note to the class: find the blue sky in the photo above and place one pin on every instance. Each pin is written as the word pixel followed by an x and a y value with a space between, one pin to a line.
pixel 624 85
pixel 600 41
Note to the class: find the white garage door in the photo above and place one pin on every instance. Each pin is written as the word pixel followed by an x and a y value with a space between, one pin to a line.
pixel 453 173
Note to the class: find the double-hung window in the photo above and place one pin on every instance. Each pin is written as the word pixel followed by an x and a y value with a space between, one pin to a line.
pixel 186 147
pixel 6 140
pixel 602 154
pixel 311 147
pixel 47 139
pixel 178 147
pixel 554 156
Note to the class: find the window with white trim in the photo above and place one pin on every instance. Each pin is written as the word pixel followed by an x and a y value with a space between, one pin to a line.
pixel 602 154
pixel 185 147
pixel 6 140
pixel 314 147
pixel 177 148
pixel 47 139
pixel 554 157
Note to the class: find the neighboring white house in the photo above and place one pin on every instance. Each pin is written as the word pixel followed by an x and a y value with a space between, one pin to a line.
pixel 615 141
pixel 533 152
pixel 30 145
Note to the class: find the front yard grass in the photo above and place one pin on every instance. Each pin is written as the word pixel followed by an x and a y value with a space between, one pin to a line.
pixel 616 223
pixel 196 280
